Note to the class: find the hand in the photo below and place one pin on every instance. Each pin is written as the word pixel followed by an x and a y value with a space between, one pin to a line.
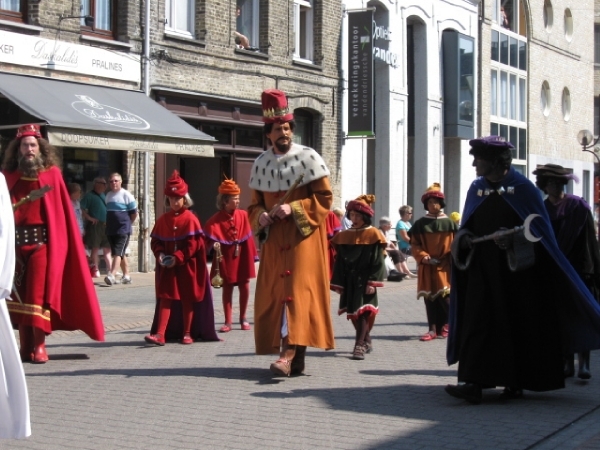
pixel 264 220
pixel 466 242
pixel 504 242
pixel 216 246
pixel 370 290
pixel 281 211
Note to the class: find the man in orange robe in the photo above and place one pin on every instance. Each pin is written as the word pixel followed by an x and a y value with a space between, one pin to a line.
pixel 291 306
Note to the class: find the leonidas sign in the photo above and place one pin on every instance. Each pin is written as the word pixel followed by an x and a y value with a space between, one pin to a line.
pixel 51 54
pixel 113 141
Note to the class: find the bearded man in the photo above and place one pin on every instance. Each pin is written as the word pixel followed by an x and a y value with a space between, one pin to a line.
pixel 52 287
pixel 291 306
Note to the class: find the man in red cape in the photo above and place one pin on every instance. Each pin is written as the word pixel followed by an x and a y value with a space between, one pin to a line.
pixel 52 283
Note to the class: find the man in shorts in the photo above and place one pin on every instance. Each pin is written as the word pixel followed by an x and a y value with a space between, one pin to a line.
pixel 121 212
pixel 93 207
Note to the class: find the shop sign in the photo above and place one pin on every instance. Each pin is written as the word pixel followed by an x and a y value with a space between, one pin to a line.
pixel 137 142
pixel 53 54
pixel 108 114
pixel 360 74
pixel 382 33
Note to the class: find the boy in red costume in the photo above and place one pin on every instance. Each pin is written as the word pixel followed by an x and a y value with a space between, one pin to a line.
pixel 181 274
pixel 229 232
pixel 49 250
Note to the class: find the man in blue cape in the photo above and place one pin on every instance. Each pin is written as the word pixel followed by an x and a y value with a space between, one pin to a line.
pixel 516 306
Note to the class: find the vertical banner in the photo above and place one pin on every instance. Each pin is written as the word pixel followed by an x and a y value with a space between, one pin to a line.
pixel 360 74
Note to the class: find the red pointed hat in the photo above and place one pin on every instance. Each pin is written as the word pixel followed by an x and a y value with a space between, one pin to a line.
pixel 275 107
pixel 176 187
pixel 29 130
pixel 362 204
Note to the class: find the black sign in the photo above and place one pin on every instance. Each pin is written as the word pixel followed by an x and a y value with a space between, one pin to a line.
pixel 360 74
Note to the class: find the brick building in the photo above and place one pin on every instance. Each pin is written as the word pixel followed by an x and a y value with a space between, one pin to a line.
pixel 205 61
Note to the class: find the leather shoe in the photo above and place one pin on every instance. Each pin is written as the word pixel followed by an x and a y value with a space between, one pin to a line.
pixel 39 354
pixel 429 336
pixel 510 393
pixel 470 392
pixel 187 340
pixel 155 339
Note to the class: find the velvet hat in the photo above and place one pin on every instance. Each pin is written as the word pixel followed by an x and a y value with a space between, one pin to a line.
pixel 362 204
pixel 176 187
pixel 229 187
pixel 29 130
pixel 553 171
pixel 433 191
pixel 490 147
pixel 275 107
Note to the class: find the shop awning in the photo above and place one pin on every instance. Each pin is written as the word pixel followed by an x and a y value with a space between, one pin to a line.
pixel 87 116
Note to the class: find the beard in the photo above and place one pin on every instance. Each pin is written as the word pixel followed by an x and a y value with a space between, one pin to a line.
pixel 31 167
pixel 283 147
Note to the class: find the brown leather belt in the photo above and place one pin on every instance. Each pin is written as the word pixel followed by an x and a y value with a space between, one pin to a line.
pixel 32 234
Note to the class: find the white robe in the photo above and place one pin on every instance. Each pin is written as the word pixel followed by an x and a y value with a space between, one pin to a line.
pixel 14 400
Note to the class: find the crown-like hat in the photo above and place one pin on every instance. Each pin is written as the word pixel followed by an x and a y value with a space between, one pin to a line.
pixel 362 204
pixel 176 186
pixel 29 130
pixel 275 107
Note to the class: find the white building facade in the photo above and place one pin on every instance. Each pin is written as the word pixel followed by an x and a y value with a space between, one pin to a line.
pixel 415 144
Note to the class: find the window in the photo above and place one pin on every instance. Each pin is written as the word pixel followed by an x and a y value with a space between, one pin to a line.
pixel 179 16
pixel 568 25
pixel 103 12
pixel 247 13
pixel 548 14
pixel 545 98
pixel 508 77
pixel 566 104
pixel 303 29
pixel 14 10
pixel 509 15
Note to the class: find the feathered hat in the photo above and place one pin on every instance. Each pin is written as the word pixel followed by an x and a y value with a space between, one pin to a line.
pixel 229 187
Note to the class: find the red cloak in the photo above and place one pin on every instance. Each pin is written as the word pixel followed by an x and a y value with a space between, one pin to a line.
pixel 230 230
pixel 180 234
pixel 70 293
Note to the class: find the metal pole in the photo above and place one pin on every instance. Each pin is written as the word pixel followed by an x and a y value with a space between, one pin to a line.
pixel 146 87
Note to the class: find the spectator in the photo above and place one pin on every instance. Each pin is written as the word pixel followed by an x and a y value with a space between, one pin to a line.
pixel 430 240
pixel 53 287
pixel 74 191
pixel 93 205
pixel 402 228
pixel 398 258
pixel 121 212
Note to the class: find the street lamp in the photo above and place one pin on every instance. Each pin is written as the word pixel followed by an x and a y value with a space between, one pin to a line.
pixel 586 139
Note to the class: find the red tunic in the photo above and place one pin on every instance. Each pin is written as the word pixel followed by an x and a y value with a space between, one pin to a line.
pixel 180 234
pixel 68 296
pixel 231 231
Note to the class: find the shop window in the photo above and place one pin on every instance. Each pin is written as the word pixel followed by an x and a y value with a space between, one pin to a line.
pixel 303 30
pixel 104 13
pixel 179 17
pixel 247 14
pixel 15 10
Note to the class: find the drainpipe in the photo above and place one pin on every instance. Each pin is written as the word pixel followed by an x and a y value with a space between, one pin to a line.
pixel 146 197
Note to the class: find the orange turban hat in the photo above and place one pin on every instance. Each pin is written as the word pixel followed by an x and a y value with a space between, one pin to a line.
pixel 229 187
